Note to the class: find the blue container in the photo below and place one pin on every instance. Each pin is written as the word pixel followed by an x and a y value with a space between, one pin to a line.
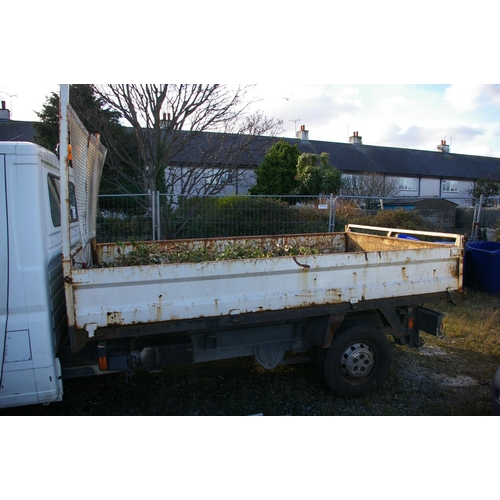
pixel 469 277
pixel 482 264
pixel 406 237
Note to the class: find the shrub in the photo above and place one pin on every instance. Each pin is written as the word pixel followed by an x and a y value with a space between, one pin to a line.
pixel 121 227
pixel 228 216
pixel 212 217
pixel 404 219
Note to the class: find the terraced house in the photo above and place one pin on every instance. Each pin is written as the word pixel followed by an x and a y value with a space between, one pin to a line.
pixel 415 173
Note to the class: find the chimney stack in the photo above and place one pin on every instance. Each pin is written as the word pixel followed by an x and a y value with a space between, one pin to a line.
pixel 355 138
pixel 4 113
pixel 303 134
pixel 443 147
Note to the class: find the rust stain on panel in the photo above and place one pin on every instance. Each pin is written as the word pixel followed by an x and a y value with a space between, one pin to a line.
pixel 403 273
pixel 454 269
pixel 114 318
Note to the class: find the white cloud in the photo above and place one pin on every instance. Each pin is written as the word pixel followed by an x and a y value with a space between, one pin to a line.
pixel 492 93
pixel 401 101
pixel 349 91
pixel 463 97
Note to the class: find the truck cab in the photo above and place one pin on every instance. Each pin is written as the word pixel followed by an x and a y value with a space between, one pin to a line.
pixel 32 304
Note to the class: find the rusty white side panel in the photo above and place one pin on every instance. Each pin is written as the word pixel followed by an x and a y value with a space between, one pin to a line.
pixel 144 294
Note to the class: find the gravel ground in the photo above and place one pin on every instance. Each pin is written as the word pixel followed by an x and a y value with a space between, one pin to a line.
pixel 438 379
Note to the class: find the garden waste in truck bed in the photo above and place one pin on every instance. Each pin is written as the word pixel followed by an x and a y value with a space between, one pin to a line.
pixel 180 280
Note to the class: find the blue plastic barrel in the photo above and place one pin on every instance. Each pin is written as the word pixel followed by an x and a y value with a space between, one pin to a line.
pixel 482 266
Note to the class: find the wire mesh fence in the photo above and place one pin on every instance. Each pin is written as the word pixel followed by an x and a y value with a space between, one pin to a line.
pixel 224 216
pixel 150 217
pixel 160 216
pixel 125 218
pixel 458 215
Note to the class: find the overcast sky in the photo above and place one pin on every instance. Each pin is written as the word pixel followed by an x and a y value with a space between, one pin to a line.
pixel 407 116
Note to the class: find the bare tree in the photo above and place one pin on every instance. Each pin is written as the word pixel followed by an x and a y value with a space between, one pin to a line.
pixel 191 138
pixel 369 184
pixel 487 188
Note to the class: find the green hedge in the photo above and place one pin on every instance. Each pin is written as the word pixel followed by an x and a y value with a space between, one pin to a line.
pixel 405 219
pixel 243 216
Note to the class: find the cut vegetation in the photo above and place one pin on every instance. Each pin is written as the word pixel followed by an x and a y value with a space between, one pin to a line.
pixel 152 253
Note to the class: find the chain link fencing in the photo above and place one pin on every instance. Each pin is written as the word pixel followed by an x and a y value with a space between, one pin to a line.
pixel 160 216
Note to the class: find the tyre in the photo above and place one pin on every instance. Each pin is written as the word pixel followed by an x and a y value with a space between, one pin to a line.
pixel 319 362
pixel 357 361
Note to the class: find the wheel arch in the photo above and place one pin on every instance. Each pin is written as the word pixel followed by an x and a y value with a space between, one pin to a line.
pixel 322 330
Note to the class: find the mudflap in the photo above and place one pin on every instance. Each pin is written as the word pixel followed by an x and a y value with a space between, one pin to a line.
pixel 425 320
pixel 407 322
pixel 430 321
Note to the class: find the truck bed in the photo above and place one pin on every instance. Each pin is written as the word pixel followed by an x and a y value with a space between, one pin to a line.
pixel 350 267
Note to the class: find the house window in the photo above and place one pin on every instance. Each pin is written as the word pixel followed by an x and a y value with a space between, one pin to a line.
pixel 55 200
pixel 450 186
pixel 218 177
pixel 408 184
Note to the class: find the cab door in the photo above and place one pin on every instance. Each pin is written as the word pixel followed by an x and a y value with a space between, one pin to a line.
pixel 4 263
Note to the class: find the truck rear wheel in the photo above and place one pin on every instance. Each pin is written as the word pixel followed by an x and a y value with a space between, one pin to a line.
pixel 357 361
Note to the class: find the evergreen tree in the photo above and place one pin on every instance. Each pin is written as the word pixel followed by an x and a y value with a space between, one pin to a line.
pixel 47 129
pixel 316 176
pixel 276 173
pixel 97 118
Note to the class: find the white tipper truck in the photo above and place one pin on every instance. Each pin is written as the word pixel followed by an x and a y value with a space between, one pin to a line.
pixel 67 311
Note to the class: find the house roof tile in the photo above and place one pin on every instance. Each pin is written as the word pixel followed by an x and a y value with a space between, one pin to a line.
pixel 403 162
pixel 349 158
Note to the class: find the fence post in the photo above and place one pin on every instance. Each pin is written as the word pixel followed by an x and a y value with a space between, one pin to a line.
pixel 152 202
pixel 155 214
pixel 158 218
pixel 333 213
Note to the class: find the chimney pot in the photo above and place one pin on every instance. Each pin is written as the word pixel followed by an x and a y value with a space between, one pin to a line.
pixel 355 138
pixel 3 104
pixel 443 147
pixel 303 134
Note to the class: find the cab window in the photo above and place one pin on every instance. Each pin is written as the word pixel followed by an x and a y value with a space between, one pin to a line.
pixel 55 200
